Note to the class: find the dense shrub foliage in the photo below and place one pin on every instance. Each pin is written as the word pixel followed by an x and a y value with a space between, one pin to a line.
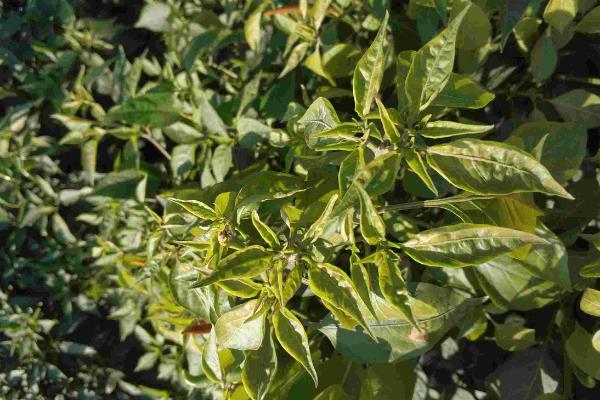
pixel 328 199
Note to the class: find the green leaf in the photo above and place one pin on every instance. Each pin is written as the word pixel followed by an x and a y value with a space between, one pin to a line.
pixel 462 245
pixel 196 208
pixel 486 167
pixel 362 282
pixel 240 329
pixel 431 68
pixel 292 337
pixel 560 13
pixel 125 184
pixel 61 230
pixel 156 108
pixel 511 12
pixel 264 231
pixel 563 145
pixel 314 62
pixel 445 129
pixel 590 302
pixel 295 58
pixel 525 375
pixel 221 162
pixel 372 226
pixel 340 59
pixel 544 58
pixel 388 125
pixel 245 263
pixel 319 117
pixel 88 159
pixel 579 106
pixel 590 23
pixel 436 309
pixel 368 72
pixel 210 119
pixel 388 381
pixel 462 92
pixel 513 337
pixel 183 160
pixel 512 285
pixel 475 30
pixel 333 392
pixel 415 162
pixel 196 46
pixel 317 228
pixel 252 26
pixel 244 288
pixel 154 17
pixel 335 287
pixel 260 367
pixel 204 302
pixel 581 351
pixel 392 285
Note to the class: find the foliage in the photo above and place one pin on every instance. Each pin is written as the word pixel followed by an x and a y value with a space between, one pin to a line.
pixel 328 199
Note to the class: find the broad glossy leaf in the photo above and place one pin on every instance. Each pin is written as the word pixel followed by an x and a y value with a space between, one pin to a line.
pixel 340 59
pixel 511 12
pixel 463 92
pixel 314 62
pixel 563 145
pixel 590 23
pixel 372 226
pixel 486 167
pixel 292 337
pixel 240 329
pixel 560 13
pixel 462 245
pixel 206 303
pixel 590 302
pixel 525 375
pixel 154 17
pixel 333 285
pixel 431 68
pixel 475 31
pixel 513 337
pixel 579 106
pixel 544 57
pixel 581 351
pixel 388 381
pixel 445 129
pixel 245 263
pixel 516 211
pixel 369 72
pixel 511 285
pixel 260 367
pixel 155 107
pixel 125 184
pixel 319 117
pixel 436 310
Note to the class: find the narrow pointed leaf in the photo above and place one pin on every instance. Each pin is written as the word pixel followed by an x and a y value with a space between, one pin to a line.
pixel 369 72
pixel 292 337
pixel 245 263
